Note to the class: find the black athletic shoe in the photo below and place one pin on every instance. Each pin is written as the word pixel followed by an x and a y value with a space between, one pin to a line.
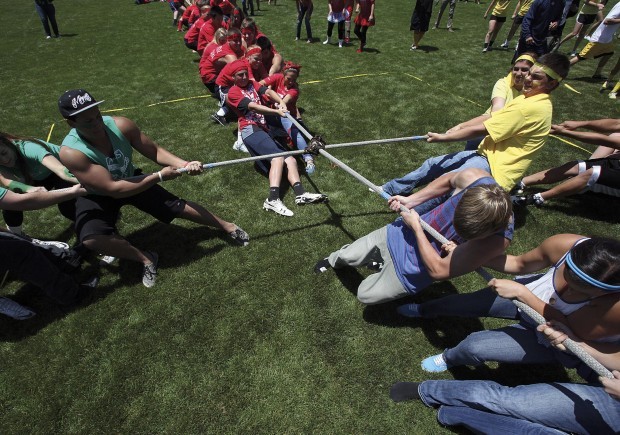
pixel 518 189
pixel 219 119
pixel 322 266
pixel 525 200
pixel 402 391
pixel 374 265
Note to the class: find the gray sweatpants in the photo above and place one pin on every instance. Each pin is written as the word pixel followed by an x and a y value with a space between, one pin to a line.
pixel 379 287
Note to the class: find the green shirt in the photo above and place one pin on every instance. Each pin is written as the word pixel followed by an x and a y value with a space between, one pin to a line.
pixel 119 164
pixel 33 155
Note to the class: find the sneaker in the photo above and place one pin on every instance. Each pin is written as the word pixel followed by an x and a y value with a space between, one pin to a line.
pixel 92 282
pixel 485 49
pixel 401 391
pixel 240 237
pixel 525 200
pixel 297 39
pixel 409 310
pixel 450 29
pixel 240 146
pixel 59 245
pixel 322 266
pixel 612 95
pixel 149 273
pixel 326 41
pixel 14 310
pixel 48 37
pixel 107 259
pixel 219 119
pixel 310 198
pixel 359 50
pixel 413 48
pixel 347 40
pixel 572 54
pixel 519 189
pixel 277 206
pixel 339 44
pixel 434 364
pixel 606 85
pixel 310 167
pixel 309 41
pixel 504 45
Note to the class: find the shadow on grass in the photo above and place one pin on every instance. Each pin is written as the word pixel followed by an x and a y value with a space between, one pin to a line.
pixel 426 48
pixel 590 205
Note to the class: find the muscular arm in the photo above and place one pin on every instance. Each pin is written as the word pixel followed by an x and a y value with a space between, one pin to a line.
pixel 145 145
pixel 276 64
pixel 98 179
pixel 464 133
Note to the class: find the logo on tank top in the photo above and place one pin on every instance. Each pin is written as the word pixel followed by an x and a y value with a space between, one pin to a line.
pixel 117 165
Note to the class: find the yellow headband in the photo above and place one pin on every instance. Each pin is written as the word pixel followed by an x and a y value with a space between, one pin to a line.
pixel 549 72
pixel 525 57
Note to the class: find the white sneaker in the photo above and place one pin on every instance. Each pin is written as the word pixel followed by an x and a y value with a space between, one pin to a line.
pixel 340 43
pixel 612 95
pixel 277 206
pixel 107 259
pixel 240 146
pixel 310 198
pixel 149 272
pixel 326 41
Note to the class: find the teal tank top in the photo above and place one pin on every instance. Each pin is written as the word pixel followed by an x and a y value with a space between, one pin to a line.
pixel 119 164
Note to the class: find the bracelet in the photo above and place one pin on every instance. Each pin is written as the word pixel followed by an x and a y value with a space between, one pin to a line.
pixel 160 177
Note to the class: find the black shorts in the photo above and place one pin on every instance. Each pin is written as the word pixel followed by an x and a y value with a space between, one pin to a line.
pixel 586 18
pixel 497 18
pixel 97 215
pixel 609 171
pixel 518 19
pixel 421 16
pixel 191 45
pixel 261 143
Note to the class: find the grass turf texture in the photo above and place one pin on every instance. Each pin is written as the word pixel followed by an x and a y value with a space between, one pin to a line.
pixel 249 339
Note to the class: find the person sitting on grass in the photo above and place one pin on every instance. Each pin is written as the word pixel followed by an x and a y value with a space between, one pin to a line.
pixel 487 407
pixel 29 165
pixel 505 90
pixel 477 217
pixel 99 152
pixel 191 14
pixel 579 294
pixel 207 31
pixel 216 58
pixel 600 173
pixel 513 136
pixel 285 85
pixel 191 36
pixel 245 99
pixel 30 262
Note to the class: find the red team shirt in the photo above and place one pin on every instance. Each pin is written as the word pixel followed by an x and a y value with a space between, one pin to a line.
pixel 225 5
pixel 276 82
pixel 362 18
pixel 209 65
pixel 206 34
pixel 193 32
pixel 337 5
pixel 239 99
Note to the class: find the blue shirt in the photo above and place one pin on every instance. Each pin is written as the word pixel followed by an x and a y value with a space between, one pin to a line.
pixel 403 247
pixel 541 14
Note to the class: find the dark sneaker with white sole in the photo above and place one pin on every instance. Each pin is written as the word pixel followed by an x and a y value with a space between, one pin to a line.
pixel 525 200
pixel 239 236
pixel 219 119
pixel 322 266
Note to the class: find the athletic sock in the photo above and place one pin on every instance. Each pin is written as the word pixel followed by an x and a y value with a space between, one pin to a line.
pixel 485 45
pixel 491 43
pixel 298 189
pixel 274 193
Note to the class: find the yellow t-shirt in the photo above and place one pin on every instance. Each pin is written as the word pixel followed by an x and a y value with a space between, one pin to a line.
pixel 516 134
pixel 503 89
pixel 500 8
pixel 525 6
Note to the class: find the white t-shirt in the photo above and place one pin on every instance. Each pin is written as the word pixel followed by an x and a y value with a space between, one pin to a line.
pixel 605 32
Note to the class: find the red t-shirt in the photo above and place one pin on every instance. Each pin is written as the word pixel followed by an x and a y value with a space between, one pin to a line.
pixel 239 99
pixel 212 62
pixel 193 32
pixel 225 5
pixel 365 8
pixel 190 12
pixel 276 82
pixel 206 34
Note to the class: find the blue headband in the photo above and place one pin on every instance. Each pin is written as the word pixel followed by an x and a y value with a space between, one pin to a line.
pixel 587 278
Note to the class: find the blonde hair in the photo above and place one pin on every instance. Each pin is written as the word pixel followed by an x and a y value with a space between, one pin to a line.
pixel 219 34
pixel 482 211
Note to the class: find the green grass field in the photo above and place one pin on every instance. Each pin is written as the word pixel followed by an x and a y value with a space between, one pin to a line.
pixel 243 340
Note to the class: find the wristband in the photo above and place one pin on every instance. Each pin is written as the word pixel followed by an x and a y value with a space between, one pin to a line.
pixel 160 177
pixel 18 187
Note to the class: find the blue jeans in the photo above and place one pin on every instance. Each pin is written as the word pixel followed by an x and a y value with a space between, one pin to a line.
pixel 47 12
pixel 434 168
pixel 568 407
pixel 483 303
pixel 296 136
